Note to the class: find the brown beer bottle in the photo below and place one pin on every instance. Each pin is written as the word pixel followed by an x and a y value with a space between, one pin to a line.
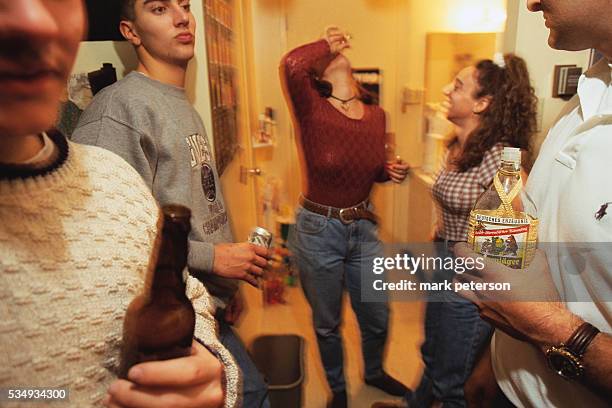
pixel 159 323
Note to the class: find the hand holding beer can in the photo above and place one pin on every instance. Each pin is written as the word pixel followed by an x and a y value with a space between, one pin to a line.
pixel 261 236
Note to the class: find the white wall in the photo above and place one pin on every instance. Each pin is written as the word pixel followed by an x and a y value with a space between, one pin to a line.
pixel 93 53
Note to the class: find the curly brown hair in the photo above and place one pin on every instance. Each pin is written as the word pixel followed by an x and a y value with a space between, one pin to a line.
pixel 510 117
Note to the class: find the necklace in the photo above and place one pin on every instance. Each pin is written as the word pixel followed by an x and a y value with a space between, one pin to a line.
pixel 344 103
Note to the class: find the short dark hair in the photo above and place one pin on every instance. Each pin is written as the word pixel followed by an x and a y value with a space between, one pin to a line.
pixel 127 10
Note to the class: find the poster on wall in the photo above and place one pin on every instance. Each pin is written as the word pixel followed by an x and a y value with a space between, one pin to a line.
pixel 370 80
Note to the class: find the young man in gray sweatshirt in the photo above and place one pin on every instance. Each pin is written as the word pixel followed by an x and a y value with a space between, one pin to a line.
pixel 146 119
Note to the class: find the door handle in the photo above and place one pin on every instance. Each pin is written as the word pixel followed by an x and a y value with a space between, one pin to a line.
pixel 244 172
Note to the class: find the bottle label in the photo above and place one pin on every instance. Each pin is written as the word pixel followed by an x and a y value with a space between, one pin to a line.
pixel 503 239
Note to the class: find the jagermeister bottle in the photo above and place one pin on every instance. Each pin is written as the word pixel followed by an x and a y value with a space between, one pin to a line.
pixel 503 223
pixel 159 323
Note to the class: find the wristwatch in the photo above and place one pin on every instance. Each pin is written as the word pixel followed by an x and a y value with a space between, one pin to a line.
pixel 566 358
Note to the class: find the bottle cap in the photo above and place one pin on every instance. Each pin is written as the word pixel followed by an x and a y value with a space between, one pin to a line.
pixel 512 155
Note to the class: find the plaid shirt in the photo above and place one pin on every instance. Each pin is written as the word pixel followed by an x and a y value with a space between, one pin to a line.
pixel 455 194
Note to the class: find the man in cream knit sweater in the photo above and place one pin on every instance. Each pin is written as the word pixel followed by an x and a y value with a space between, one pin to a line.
pixel 148 120
pixel 76 231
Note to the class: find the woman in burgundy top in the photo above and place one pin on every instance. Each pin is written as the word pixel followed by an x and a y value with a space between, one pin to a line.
pixel 341 146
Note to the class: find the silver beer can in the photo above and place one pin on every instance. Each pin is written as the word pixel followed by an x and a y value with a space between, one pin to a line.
pixel 261 236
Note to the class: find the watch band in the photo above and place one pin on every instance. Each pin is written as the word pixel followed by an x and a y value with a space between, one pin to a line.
pixel 581 338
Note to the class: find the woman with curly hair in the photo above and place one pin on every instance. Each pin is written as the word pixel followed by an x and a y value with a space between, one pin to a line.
pixel 492 105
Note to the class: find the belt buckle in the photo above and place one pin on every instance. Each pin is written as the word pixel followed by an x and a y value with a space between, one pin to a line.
pixel 341 216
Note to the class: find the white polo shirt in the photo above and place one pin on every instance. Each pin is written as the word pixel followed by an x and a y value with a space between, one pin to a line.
pixel 570 181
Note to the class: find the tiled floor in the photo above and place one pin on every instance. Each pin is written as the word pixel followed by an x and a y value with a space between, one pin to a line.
pixel 402 360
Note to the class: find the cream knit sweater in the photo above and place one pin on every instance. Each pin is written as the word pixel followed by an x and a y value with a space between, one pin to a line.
pixel 74 247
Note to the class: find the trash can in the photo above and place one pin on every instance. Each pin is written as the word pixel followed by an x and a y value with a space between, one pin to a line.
pixel 280 358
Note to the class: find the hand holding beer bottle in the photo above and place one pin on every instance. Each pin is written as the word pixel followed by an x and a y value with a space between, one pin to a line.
pixel 193 381
pixel 161 362
pixel 159 324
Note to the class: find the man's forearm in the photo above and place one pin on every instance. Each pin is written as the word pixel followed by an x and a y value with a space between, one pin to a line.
pixel 556 326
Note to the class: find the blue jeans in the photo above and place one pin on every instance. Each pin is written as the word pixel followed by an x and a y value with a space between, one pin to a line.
pixel 254 388
pixel 454 336
pixel 329 256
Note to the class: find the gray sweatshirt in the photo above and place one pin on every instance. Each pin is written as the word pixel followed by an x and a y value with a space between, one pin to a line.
pixel 154 128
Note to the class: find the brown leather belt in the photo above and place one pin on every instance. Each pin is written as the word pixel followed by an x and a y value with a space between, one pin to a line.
pixel 345 215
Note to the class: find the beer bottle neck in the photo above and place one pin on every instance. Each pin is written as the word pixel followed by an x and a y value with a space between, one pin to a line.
pixel 166 275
